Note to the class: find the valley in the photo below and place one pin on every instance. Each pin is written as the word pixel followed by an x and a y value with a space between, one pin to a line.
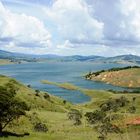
pixel 53 112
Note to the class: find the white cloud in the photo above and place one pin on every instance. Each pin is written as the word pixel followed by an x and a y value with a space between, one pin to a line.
pixel 66 45
pixel 96 49
pixel 74 22
pixel 12 47
pixel 121 18
pixel 23 29
pixel 130 10
pixel 77 26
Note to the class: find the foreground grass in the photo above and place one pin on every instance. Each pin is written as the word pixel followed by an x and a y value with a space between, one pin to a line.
pixel 61 128
pixel 53 111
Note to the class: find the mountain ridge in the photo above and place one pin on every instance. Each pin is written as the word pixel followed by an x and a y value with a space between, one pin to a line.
pixel 52 57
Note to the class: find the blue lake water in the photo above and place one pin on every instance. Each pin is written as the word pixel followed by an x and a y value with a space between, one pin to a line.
pixel 72 72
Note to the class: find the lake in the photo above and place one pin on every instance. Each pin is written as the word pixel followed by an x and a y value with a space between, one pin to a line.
pixel 72 72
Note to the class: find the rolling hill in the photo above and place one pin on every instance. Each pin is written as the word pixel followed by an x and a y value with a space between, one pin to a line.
pixel 124 58
pixel 17 57
pixel 53 112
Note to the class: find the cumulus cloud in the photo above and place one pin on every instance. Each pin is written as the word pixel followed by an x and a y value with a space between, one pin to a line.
pixel 21 29
pixel 121 19
pixel 130 23
pixel 74 22
pixel 13 47
pixel 87 27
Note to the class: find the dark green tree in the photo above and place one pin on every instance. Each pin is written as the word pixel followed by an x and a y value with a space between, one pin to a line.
pixel 103 118
pixel 114 104
pixel 96 116
pixel 10 107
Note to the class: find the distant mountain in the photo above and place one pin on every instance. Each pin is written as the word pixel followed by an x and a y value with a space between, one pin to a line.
pixel 124 58
pixel 16 57
pixel 80 58
pixel 5 54
pixel 51 57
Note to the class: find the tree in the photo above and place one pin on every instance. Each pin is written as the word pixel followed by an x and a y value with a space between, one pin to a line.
pixel 104 118
pixel 10 107
pixel 76 116
pixel 40 127
pixel 96 116
pixel 132 109
pixel 114 104
pixel 37 91
pixel 106 128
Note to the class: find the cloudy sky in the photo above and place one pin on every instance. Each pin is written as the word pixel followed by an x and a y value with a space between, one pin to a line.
pixel 70 27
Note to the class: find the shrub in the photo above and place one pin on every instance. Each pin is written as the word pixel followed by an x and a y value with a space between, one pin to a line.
pixel 29 86
pixel 114 104
pixel 132 109
pixel 104 118
pixel 37 91
pixel 40 127
pixel 94 117
pixel 75 115
pixel 37 94
pixel 46 96
pixel 64 101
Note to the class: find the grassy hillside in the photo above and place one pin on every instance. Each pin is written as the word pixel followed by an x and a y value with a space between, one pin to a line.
pixel 5 62
pixel 41 100
pixel 53 112
pixel 124 77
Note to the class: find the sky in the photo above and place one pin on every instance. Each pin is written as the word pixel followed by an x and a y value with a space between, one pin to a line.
pixel 70 27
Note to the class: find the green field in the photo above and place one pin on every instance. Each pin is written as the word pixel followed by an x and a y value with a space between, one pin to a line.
pixel 53 111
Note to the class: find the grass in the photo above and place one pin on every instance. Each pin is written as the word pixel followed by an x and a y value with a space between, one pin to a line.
pixel 5 62
pixel 53 112
pixel 35 101
pixel 124 78
pixel 61 85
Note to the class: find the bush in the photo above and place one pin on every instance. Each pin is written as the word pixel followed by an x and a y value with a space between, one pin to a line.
pixel 37 91
pixel 114 104
pixel 94 117
pixel 104 118
pixel 29 86
pixel 46 96
pixel 64 101
pixel 132 109
pixel 75 115
pixel 40 127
